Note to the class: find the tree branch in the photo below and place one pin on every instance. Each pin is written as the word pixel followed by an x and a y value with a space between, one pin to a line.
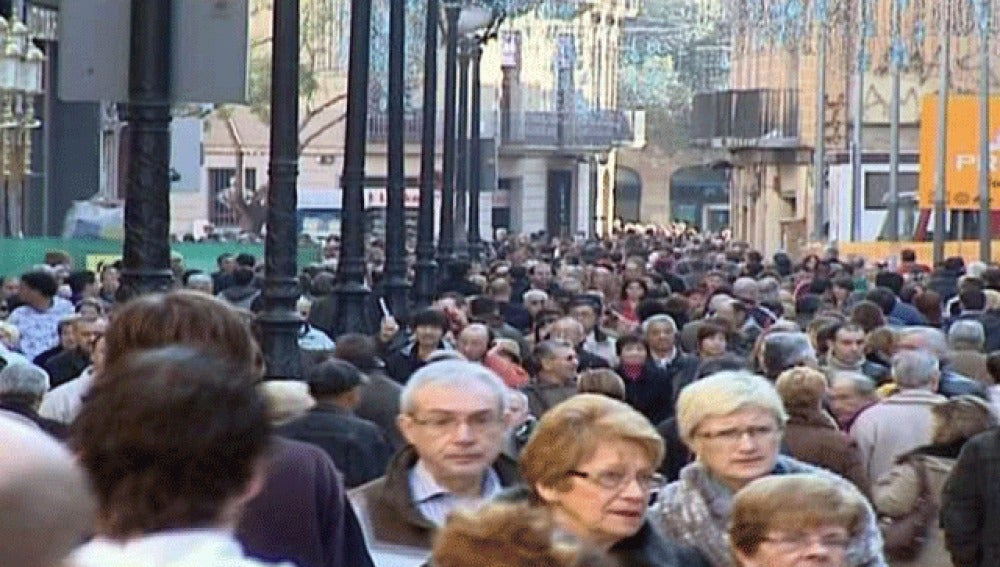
pixel 313 113
pixel 319 132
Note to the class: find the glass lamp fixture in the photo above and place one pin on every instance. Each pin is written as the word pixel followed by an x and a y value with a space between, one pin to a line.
pixel 10 64
pixel 32 68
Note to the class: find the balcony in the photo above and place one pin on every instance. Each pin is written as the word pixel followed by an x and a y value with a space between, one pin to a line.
pixel 378 127
pixel 751 118
pixel 583 131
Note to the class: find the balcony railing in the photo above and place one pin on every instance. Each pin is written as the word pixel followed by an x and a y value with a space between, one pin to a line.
pixel 552 129
pixel 763 118
pixel 378 127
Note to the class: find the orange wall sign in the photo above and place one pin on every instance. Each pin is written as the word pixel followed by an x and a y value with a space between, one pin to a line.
pixel 962 161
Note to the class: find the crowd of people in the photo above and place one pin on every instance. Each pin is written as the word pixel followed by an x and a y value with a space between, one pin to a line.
pixel 658 399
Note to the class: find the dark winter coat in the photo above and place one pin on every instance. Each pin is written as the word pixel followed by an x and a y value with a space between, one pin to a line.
pixel 358 447
pixel 302 515
pixel 970 503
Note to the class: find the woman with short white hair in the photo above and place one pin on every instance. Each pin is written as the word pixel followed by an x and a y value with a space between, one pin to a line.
pixel 733 422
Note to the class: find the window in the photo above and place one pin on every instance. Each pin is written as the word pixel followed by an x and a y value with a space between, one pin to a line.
pixel 220 181
pixel 877 189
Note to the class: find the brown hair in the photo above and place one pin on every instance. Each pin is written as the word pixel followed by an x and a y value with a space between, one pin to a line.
pixel 506 535
pixel 960 418
pixel 791 502
pixel 169 438
pixel 868 314
pixel 577 427
pixel 801 387
pixel 928 304
pixel 183 317
pixel 602 381
pixel 882 339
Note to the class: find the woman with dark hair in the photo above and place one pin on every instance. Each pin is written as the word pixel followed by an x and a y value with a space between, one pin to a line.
pixel 841 291
pixel 633 291
pixel 711 340
pixel 928 304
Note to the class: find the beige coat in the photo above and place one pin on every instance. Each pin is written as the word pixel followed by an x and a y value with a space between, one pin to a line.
pixel 896 425
pixel 895 494
pixel 970 364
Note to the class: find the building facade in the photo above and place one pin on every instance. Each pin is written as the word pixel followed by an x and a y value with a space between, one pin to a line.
pixel 766 118
pixel 550 125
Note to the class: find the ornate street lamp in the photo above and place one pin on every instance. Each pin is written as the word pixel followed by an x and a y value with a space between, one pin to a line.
pixel 446 230
pixel 425 269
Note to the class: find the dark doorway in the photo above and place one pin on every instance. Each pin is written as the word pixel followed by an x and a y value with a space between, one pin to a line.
pixel 628 195
pixel 558 203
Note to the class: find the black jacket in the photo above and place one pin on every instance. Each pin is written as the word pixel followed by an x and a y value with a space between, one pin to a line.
pixel 357 447
pixel 655 392
pixel 53 428
pixel 401 364
pixel 301 514
pixel 589 361
pixel 970 503
pixel 516 316
pixel 380 405
pixel 65 366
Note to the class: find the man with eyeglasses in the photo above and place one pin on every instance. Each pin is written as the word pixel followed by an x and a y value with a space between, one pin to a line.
pixel 452 414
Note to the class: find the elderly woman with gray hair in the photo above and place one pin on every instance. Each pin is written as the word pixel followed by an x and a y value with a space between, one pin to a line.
pixel 783 350
pixel 22 387
pixel 966 338
pixel 734 423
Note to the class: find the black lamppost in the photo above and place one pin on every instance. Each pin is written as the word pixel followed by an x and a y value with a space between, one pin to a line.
pixel 351 271
pixel 446 229
pixel 426 267
pixel 396 286
pixel 475 155
pixel 279 322
pixel 146 249
pixel 462 150
pixel 475 138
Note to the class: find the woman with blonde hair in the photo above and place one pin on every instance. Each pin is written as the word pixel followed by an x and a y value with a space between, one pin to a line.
pixel 793 520
pixel 896 493
pixel 597 486
pixel 734 422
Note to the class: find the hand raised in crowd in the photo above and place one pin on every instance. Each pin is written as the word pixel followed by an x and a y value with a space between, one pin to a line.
pixel 388 329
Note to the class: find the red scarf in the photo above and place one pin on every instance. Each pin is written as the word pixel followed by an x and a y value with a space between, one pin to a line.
pixel 631 370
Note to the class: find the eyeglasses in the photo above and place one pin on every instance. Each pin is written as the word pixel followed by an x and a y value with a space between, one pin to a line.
pixel 802 540
pixel 735 435
pixel 615 480
pixel 447 424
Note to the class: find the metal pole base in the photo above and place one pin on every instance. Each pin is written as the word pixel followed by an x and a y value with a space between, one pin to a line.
pixel 136 282
pixel 425 277
pixel 353 314
pixel 280 325
pixel 397 296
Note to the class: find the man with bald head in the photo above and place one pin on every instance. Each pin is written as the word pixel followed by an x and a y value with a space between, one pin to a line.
pixel 476 343
pixel 44 498
pixel 570 330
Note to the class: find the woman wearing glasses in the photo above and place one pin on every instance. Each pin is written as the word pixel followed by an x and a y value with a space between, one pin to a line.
pixel 733 422
pixel 794 520
pixel 599 482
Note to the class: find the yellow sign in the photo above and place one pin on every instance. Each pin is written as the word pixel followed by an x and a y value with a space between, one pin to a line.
pixel 961 179
pixel 95 261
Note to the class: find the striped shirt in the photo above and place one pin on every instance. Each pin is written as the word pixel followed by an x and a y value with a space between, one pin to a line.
pixel 435 502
